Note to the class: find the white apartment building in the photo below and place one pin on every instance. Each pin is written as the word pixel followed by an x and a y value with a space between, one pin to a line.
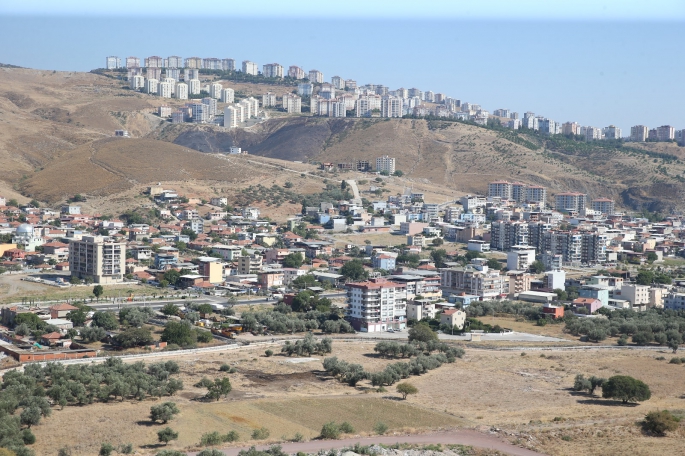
pixel 305 89
pixel 227 96
pixel 193 62
pixel 638 295
pixel 603 205
pixel 165 89
pixel 675 301
pixel 295 72
pixel 269 99
pixel 500 189
pixel 215 90
pixel 132 62
pixel 211 63
pixel 292 103
pixel 199 112
pixel 230 117
pixel 194 87
pixel 240 112
pixel 591 133
pixel 173 73
pixel 570 202
pixel 665 133
pixel 151 86
pixel 639 133
pixel 385 163
pixel 247 108
pixel 272 70
pixel 112 62
pixel 191 73
pixel 228 64
pixel 212 107
pixel 97 258
pixel 611 132
pixel 570 128
pixel 250 68
pixel 391 106
pixel 377 305
pixel 315 77
pixel 137 82
pixel 181 91
pixel 338 82
pixel 174 61
pixel 154 62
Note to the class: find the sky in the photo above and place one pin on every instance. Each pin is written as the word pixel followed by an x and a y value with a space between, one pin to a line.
pixel 595 62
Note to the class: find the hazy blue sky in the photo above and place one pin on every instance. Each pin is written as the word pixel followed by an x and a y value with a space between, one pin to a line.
pixel 595 62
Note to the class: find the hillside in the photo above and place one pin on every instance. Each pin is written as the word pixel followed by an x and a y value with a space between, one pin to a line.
pixel 56 140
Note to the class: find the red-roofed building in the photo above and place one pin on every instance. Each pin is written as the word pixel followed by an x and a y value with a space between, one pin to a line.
pixel 61 310
pixel 377 305
pixel 591 304
pixel 453 317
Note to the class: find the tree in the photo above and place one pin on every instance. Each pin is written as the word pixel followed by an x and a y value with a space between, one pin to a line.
pixel 644 277
pixel 77 317
pixel 406 389
pixel 135 316
pixel 354 270
pixel 494 264
pixel 30 416
pixel 625 388
pixel 163 412
pixel 166 435
pixel 652 257
pixel 293 260
pixel 105 320
pixel 438 256
pixel 660 422
pixel 398 173
pixel 179 333
pixel 437 242
pixel 92 334
pixel 170 309
pixel 210 452
pixel 421 332
pixel 537 267
pixel 98 291
pixel 330 431
pixel 134 337
pixel 220 387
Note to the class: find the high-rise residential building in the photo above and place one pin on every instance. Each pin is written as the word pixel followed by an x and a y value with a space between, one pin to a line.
pixel 665 133
pixel 350 84
pixel 151 86
pixel 611 132
pixel 377 305
pixel 240 112
pixel 536 194
pixel 250 68
pixel 570 128
pixel 305 89
pixel 181 92
pixel 603 205
pixel 174 61
pixel 514 115
pixel 338 82
pixel 386 164
pixel 501 113
pixel 153 73
pixel 99 259
pixel 547 126
pixel 530 121
pixel 191 73
pixel 211 106
pixel 295 72
pixel 194 87
pixel 154 61
pixel 269 99
pixel 429 96
pixel 137 82
pixel 591 133
pixel 228 64
pixel 193 62
pixel 639 133
pixel 132 62
pixel 315 77
pixel 227 95
pixel 165 89
pixel 215 90
pixel 212 63
pixel 505 234
pixel 173 73
pixel 652 135
pixel 391 106
pixel 474 279
pixel 440 97
pixel 247 108
pixel 272 70
pixel 501 189
pixel 199 112
pixel 178 117
pixel 414 92
pixel 518 192
pixel 113 62
pixel 292 103
pixel 230 117
pixel 327 92
pixel 570 201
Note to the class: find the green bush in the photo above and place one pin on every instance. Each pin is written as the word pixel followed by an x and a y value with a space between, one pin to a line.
pixel 297 438
pixel 106 449
pixel 675 361
pixel 225 368
pixel 346 428
pixel 232 436
pixel 211 438
pixel 660 422
pixel 625 388
pixel 330 431
pixel 261 434
pixel 380 428
pixel 269 353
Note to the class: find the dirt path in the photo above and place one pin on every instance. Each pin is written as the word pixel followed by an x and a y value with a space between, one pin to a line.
pixel 459 437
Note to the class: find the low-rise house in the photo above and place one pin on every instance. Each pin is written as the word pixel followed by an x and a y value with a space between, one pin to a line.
pixel 592 305
pixel 553 311
pixel 61 310
pixel 453 318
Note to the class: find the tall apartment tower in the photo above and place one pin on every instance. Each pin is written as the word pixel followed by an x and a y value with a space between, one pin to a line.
pixel 113 62
pixel 174 61
pixel 570 201
pixel 137 82
pixel 132 62
pixel 191 73
pixel 639 133
pixel 315 76
pixel 292 103
pixel 295 72
pixel 272 70
pixel 151 86
pixel 194 87
pixel 250 68
pixel 228 64
pixel 215 90
pixel 230 117
pixel 269 99
pixel 227 96
pixel 501 189
pixel 338 82
pixel 97 258
pixel 385 163
pixel 181 92
pixel 391 106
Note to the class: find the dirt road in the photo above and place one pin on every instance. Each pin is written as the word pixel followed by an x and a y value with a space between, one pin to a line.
pixel 460 437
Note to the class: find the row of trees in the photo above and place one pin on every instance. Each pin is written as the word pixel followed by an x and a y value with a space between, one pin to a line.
pixel 282 320
pixel 392 349
pixel 308 346
pixel 621 387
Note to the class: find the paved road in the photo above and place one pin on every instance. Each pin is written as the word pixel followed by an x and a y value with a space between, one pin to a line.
pixel 458 437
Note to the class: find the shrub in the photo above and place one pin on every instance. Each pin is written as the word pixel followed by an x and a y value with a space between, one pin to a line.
pixel 625 388
pixel 232 436
pixel 210 452
pixel 297 438
pixel 346 428
pixel 330 431
pixel 261 434
pixel 166 435
pixel 380 428
pixel 106 449
pixel 675 361
pixel 660 422
pixel 126 448
pixel 163 412
pixel 210 438
pixel 225 368
pixel 269 353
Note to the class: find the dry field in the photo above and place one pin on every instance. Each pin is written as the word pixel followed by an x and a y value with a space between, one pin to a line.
pixel 521 395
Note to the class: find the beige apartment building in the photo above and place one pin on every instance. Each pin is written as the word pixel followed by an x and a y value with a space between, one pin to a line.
pixel 98 259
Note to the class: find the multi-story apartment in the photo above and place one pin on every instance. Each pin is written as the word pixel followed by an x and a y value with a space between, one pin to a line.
pixel 338 82
pixel 132 62
pixel 567 244
pixel 181 92
pixel 637 295
pixel 211 63
pixel 536 233
pixel 377 305
pixel 429 96
pixel 501 189
pixel 173 73
pixel 174 61
pixel 112 62
pixel 194 87
pixel 215 90
pixel 391 106
pixel 675 301
pixel 570 128
pixel 137 82
pixel 315 77
pixel 603 205
pixel 366 105
pixel 350 84
pixel 250 68
pixel 250 264
pixel 305 89
pixel 536 194
pixel 474 279
pixel 230 117
pixel 151 86
pixel 327 92
pixel 639 133
pixel 227 96
pixel 530 121
pixel 501 112
pixel 547 126
pixel 98 259
pixel 665 133
pixel 506 234
pixel 386 164
pixel 593 248
pixel 269 99
pixel 211 106
pixel 165 89
pixel 611 132
pixel 154 61
pixel 228 64
pixel 199 112
pixel 193 62
pixel 570 201
pixel 295 72
pixel 191 73
pixel 591 133
pixel 272 70
pixel 292 103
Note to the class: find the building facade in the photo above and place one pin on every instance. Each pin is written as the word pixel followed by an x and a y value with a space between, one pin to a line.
pixel 98 259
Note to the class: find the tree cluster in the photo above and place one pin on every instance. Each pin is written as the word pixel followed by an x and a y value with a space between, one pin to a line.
pixel 622 387
pixel 135 316
pixel 392 349
pixel 282 321
pixel 182 333
pixel 308 346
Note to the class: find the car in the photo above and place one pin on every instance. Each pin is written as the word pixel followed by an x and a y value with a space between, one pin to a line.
pixel 391 330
